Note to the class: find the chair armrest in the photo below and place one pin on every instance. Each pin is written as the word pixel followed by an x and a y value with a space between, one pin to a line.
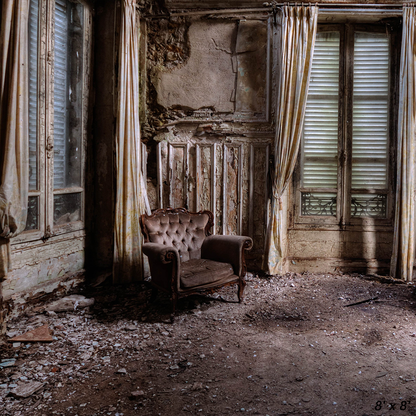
pixel 160 252
pixel 227 249
pixel 164 262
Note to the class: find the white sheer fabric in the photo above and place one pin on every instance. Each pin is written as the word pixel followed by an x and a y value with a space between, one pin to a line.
pixel 299 24
pixel 130 191
pixel 404 229
pixel 14 156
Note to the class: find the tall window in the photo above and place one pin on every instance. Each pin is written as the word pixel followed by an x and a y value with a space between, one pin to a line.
pixel 346 155
pixel 58 87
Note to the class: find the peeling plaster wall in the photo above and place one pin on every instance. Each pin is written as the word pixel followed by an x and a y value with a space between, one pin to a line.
pixel 39 262
pixel 210 132
pixel 209 122
pixel 226 71
pixel 29 276
pixel 208 69
pixel 348 251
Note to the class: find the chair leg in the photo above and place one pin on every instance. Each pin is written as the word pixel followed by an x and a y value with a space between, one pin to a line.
pixel 153 296
pixel 241 286
pixel 174 301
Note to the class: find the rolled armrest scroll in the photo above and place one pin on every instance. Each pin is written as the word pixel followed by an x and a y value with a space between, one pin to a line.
pixel 164 262
pixel 160 252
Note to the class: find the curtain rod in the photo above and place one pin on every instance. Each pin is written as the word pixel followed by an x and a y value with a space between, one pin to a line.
pixel 364 11
pixel 324 8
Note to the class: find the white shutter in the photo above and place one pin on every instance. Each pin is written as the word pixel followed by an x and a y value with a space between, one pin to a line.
pixel 320 132
pixel 60 92
pixel 33 93
pixel 370 111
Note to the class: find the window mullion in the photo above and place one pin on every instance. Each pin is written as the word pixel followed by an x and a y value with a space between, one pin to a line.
pixel 42 105
pixel 347 126
pixel 393 114
pixel 48 144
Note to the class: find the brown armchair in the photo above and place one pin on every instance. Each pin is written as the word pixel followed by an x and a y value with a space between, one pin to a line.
pixel 185 259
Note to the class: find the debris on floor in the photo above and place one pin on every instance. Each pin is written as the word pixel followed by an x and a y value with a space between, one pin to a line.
pixel 291 347
pixel 25 390
pixel 70 303
pixel 40 334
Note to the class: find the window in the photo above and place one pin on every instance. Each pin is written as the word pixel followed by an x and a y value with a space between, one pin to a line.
pixel 344 173
pixel 58 90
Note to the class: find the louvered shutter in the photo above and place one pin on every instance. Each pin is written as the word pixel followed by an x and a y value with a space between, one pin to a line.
pixel 60 92
pixel 33 93
pixel 370 111
pixel 320 134
pixel 320 130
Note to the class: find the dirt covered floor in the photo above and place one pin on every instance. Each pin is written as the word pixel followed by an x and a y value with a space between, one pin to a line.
pixel 293 347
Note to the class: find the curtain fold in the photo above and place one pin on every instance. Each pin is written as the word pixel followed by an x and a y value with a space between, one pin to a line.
pixel 402 260
pixel 14 132
pixel 298 33
pixel 130 186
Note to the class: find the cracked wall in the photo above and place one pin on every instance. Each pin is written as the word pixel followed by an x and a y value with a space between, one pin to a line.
pixel 208 79
pixel 208 118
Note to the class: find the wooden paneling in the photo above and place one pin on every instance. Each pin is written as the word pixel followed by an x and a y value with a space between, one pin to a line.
pixel 227 176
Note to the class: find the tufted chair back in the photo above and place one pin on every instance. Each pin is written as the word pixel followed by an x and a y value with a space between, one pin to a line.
pixel 178 228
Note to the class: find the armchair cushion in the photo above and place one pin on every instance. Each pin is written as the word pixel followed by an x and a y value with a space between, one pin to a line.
pixel 197 273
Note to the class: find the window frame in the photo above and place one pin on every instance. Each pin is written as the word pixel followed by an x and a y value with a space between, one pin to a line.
pixel 343 219
pixel 45 125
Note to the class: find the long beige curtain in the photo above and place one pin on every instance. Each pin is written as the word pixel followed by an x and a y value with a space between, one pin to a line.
pixel 298 33
pixel 14 156
pixel 404 239
pixel 130 187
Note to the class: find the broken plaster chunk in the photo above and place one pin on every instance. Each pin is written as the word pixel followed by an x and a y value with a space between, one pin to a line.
pixel 7 362
pixel 40 334
pixel 136 394
pixel 26 390
pixel 197 386
pixel 407 378
pixel 70 303
pixel 130 327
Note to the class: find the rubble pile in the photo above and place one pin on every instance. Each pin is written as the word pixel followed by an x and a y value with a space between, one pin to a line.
pixel 290 342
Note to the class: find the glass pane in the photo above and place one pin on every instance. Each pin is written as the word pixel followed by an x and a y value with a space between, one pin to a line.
pixel 32 222
pixel 316 203
pixel 320 129
pixel 33 93
pixel 67 208
pixel 68 94
pixel 369 206
pixel 370 111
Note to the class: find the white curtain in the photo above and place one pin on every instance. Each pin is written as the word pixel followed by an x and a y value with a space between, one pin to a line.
pixel 404 239
pixel 298 33
pixel 14 156
pixel 130 187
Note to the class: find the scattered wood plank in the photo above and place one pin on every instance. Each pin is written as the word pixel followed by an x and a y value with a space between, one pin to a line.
pixel 362 301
